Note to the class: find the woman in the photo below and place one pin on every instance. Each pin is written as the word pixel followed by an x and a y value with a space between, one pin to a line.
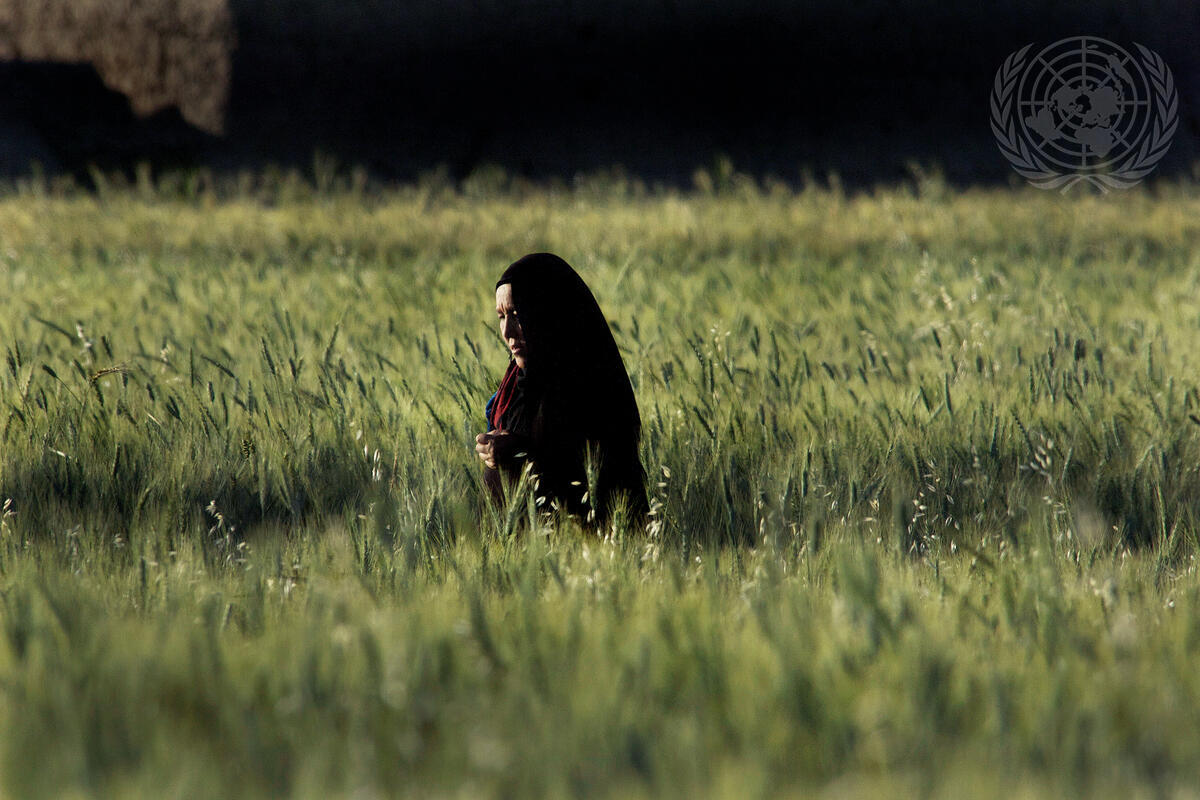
pixel 565 394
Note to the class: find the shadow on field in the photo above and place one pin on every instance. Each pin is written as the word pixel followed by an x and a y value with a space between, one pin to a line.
pixel 1002 482
pixel 724 499
pixel 130 491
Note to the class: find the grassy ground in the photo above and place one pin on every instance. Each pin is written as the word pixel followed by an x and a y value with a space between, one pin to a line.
pixel 924 467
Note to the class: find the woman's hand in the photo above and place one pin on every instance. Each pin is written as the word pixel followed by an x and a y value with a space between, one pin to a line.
pixel 485 449
pixel 498 447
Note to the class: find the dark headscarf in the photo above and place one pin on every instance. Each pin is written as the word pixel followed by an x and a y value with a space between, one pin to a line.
pixel 575 391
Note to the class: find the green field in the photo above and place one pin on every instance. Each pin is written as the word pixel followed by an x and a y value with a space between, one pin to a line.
pixel 925 467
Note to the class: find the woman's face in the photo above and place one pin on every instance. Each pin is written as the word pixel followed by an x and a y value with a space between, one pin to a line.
pixel 510 324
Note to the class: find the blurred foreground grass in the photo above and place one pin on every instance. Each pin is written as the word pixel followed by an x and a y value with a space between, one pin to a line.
pixel 924 462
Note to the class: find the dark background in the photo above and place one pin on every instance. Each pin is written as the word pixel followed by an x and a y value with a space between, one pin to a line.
pixel 546 90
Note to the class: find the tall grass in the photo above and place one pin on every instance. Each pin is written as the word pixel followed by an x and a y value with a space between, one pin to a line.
pixel 923 464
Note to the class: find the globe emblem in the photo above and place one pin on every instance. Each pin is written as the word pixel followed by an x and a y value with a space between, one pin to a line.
pixel 1084 103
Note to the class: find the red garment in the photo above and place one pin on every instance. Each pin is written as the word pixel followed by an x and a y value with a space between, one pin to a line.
pixel 504 395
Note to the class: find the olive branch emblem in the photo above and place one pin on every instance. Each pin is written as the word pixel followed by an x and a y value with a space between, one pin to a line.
pixel 1032 164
